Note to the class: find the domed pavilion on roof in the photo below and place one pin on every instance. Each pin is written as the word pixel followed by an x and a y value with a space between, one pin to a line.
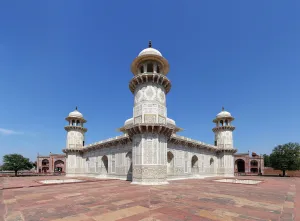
pixel 150 152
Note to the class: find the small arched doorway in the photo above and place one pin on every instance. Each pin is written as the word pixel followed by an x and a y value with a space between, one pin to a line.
pixel 45 166
pixel 104 165
pixel 194 162
pixel 129 165
pixel 170 157
pixel 59 166
pixel 45 169
pixel 254 166
pixel 254 163
pixel 240 165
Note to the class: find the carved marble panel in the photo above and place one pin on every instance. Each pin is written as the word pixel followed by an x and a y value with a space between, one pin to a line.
pixel 139 96
pixel 150 118
pixel 186 154
pixel 148 153
pixel 178 170
pixel 161 97
pixel 75 139
pixel 154 151
pixel 150 172
pixel 138 120
pixel 179 161
pixel 161 120
pixel 150 92
pixel 161 110
pixel 138 110
pixel 162 150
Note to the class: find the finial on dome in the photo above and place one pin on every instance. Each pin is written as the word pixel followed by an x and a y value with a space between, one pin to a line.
pixel 76 108
pixel 223 108
pixel 150 44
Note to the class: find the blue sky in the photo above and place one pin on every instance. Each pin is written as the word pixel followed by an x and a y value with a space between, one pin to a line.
pixel 55 55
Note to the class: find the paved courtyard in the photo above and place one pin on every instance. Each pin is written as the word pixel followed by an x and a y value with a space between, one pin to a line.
pixel 24 198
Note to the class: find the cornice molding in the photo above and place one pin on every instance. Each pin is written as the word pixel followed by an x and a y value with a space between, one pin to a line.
pixel 228 127
pixel 155 128
pixel 70 127
pixel 150 78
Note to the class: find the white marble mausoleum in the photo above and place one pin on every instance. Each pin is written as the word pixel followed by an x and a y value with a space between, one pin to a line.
pixel 150 151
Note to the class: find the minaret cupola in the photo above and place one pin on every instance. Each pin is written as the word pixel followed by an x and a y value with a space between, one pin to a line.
pixel 223 118
pixel 75 118
pixel 150 60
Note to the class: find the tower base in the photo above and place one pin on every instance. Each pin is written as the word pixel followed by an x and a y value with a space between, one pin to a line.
pixel 149 175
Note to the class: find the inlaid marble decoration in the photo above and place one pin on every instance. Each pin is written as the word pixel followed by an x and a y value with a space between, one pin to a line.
pixel 150 118
pixel 161 120
pixel 162 110
pixel 138 120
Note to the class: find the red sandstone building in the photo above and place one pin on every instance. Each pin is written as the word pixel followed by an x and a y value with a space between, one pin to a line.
pixel 51 163
pixel 248 165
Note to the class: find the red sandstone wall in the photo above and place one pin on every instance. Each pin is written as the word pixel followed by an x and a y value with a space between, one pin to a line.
pixel 271 171
pixel 52 159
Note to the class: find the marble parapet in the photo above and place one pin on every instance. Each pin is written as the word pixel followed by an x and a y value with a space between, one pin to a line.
pixel 123 139
pixel 185 141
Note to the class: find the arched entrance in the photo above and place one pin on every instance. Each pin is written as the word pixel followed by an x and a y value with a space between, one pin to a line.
pixel 195 168
pixel 59 166
pixel 170 157
pixel 45 166
pixel 45 169
pixel 104 167
pixel 240 165
pixel 129 165
pixel 254 163
pixel 254 170
pixel 254 166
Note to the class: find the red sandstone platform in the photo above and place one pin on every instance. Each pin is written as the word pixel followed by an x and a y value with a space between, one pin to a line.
pixel 24 198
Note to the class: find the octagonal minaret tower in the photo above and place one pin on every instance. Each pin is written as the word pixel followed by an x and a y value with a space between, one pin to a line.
pixel 224 141
pixel 149 128
pixel 223 130
pixel 75 130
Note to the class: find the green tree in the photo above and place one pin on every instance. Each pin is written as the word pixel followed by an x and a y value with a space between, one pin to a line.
pixel 16 162
pixel 34 164
pixel 286 157
pixel 267 162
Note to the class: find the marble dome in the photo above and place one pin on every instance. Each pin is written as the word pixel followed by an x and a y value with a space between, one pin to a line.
pixel 171 121
pixel 128 122
pixel 76 114
pixel 223 114
pixel 150 51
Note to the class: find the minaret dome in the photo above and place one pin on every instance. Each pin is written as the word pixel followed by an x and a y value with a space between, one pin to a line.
pixel 223 118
